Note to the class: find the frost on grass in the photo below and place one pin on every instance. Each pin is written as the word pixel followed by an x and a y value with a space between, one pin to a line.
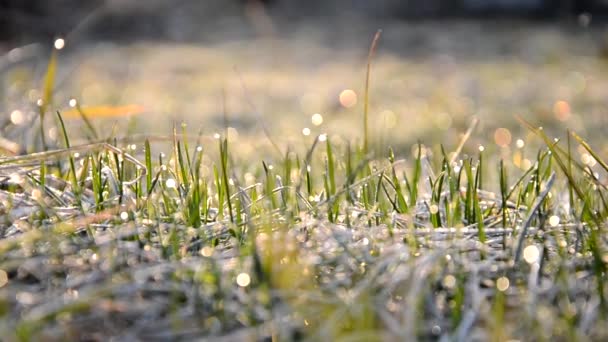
pixel 386 248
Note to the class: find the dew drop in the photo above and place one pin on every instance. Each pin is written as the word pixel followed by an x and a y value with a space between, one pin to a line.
pixel 243 279
pixel 531 254
pixel 554 220
pixel 502 284
pixel 17 117
pixel 317 119
pixel 348 98
pixel 170 183
pixel 59 43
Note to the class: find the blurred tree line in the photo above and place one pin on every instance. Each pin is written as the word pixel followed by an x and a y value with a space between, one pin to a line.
pixel 43 18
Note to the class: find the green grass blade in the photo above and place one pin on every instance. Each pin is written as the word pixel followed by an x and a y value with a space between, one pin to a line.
pixel 372 51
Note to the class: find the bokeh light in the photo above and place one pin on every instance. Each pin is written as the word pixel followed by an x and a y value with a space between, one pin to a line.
pixel 348 98
pixel 531 254
pixel 17 117
pixel 316 119
pixel 502 284
pixel 554 221
pixel 389 119
pixel 170 183
pixel 561 110
pixel 243 279
pixel 502 137
pixel 59 43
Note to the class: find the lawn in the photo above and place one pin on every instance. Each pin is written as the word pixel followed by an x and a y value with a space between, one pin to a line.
pixel 299 187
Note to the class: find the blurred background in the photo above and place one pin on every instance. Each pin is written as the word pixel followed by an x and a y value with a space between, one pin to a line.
pixel 180 19
pixel 298 68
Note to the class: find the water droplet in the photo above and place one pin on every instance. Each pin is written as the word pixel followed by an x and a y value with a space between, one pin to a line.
pixel 37 194
pixel 59 43
pixel 481 148
pixel 436 330
pixel 434 209
pixel 124 215
pixel 554 220
pixel 232 134
pixel 502 137
pixel 388 118
pixel 17 117
pixel 317 119
pixel 206 251
pixel 520 143
pixel 502 284
pixel 170 183
pixel 561 110
pixel 72 103
pixel 243 279
pixel 348 98
pixel 306 131
pixel 322 137
pixel 25 298
pixel 449 281
pixel 531 254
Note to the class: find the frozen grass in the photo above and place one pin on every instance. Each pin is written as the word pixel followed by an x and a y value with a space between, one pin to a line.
pixel 327 239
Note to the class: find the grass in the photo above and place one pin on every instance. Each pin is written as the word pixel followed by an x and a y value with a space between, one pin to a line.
pixel 327 240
